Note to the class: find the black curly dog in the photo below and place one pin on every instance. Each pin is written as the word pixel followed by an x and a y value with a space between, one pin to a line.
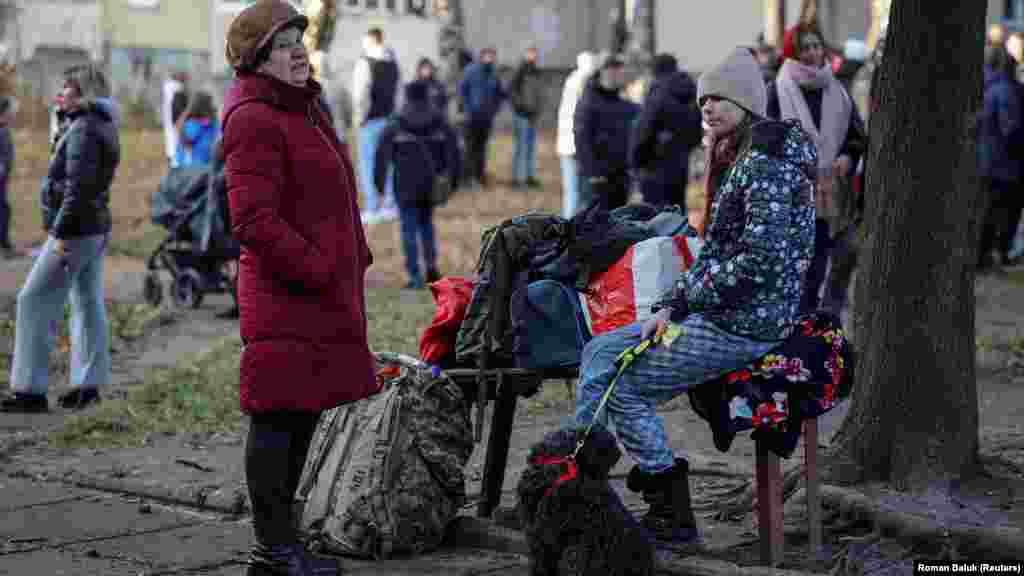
pixel 574 521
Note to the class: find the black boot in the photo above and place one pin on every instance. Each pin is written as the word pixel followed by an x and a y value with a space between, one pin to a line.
pixel 289 560
pixel 670 516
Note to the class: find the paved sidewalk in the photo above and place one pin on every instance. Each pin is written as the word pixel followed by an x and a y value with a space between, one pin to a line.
pixel 51 529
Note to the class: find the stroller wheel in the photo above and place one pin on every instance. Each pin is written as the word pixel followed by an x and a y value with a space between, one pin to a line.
pixel 152 290
pixel 188 289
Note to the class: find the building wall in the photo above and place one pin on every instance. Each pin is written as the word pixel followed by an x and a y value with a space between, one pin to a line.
pixel 163 24
pixel 64 24
pixel 44 38
pixel 701 38
pixel 560 29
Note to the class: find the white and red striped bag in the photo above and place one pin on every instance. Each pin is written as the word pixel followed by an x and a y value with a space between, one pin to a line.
pixel 624 293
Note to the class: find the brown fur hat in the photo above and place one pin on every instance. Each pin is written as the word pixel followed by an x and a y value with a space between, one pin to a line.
pixel 253 28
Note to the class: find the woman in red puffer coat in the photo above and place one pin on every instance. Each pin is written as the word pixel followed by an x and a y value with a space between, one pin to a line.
pixel 304 255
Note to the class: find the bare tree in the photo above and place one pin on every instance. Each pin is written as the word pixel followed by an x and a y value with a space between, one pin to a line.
pixel 914 412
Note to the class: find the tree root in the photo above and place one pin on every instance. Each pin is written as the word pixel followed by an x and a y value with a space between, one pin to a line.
pixel 746 501
pixel 995 543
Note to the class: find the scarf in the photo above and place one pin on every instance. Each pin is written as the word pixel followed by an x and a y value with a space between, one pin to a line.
pixel 836 107
pixel 722 154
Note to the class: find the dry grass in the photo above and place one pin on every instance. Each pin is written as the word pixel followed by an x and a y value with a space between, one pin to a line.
pixel 199 394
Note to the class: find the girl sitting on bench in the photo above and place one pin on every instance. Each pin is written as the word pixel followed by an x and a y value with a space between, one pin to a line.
pixel 738 301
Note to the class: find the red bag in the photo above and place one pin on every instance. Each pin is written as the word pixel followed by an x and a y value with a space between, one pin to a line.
pixel 452 296
pixel 625 292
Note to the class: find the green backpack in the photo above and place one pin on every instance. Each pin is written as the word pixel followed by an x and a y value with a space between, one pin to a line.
pixel 384 476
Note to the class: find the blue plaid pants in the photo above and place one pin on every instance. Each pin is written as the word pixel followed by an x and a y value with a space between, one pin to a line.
pixel 700 353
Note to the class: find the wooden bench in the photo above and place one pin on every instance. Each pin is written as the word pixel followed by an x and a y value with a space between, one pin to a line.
pixel 504 386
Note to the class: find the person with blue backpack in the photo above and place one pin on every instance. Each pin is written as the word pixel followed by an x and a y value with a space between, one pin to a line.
pixel 197 131
pixel 420 145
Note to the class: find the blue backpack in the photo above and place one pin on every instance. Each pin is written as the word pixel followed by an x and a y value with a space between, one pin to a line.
pixel 549 327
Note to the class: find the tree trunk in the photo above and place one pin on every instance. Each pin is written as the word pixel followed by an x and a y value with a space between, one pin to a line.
pixel 914 412
pixel 452 43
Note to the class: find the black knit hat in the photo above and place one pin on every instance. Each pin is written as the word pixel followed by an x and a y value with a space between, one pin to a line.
pixel 664 64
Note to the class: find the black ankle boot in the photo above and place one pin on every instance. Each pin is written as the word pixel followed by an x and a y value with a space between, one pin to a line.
pixel 670 516
pixel 25 403
pixel 289 560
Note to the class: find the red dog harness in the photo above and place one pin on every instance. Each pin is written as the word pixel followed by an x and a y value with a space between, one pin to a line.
pixel 568 470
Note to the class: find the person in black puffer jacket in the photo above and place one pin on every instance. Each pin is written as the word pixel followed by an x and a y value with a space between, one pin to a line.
pixel 603 122
pixel 420 144
pixel 666 132
pixel 76 214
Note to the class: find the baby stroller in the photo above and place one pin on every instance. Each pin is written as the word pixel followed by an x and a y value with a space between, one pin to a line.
pixel 198 252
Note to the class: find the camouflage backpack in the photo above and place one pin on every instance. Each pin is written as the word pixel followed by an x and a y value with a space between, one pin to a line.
pixel 384 475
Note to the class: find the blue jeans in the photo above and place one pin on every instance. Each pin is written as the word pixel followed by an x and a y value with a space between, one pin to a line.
pixel 417 227
pixel 369 136
pixel 700 353
pixel 41 306
pixel 570 186
pixel 523 157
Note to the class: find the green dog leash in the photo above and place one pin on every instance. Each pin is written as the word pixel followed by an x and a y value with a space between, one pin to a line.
pixel 623 361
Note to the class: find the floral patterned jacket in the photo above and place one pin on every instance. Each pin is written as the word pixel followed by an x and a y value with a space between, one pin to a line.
pixel 759 241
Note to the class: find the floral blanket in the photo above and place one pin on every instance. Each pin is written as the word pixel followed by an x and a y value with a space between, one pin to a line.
pixel 803 378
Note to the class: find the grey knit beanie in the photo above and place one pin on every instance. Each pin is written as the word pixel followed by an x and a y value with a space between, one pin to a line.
pixel 737 78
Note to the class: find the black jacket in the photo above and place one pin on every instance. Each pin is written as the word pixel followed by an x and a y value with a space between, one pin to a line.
pixel 667 130
pixel 527 91
pixel 419 128
pixel 76 190
pixel 602 125
pixel 438 95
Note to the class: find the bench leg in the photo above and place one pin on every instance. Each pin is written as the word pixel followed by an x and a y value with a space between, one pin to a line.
pixel 811 487
pixel 769 505
pixel 497 448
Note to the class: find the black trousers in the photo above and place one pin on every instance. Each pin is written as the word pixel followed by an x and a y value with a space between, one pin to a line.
pixel 477 137
pixel 819 266
pixel 275 453
pixel 844 262
pixel 1003 208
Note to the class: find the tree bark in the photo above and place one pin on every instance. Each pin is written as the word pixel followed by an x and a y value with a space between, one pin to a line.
pixel 914 412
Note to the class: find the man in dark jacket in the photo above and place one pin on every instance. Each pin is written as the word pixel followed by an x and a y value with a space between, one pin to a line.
pixel 602 125
pixel 482 95
pixel 668 128
pixel 998 163
pixel 437 94
pixel 527 98
pixel 420 145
